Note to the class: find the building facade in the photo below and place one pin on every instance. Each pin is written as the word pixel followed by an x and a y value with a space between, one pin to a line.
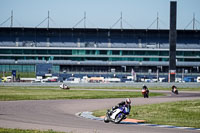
pixel 97 50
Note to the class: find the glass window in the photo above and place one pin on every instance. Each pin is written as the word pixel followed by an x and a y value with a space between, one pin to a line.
pixel 191 53
pixel 81 52
pixel 103 52
pixel 5 51
pixel 140 52
pixel 115 52
pixel 164 53
pixel 78 52
pixel 56 69
pixel 179 53
pixel 153 59
pixel 109 52
pixel 90 52
pixel 146 59
pixel 17 51
pixel 66 52
pixel 151 53
pixel 28 51
pixel 128 52
pixel 4 68
pixel 50 52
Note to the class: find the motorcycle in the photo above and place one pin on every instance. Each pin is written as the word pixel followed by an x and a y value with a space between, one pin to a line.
pixel 64 87
pixel 117 115
pixel 175 90
pixel 145 93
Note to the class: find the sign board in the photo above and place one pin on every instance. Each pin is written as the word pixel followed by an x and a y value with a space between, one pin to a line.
pixel 14 73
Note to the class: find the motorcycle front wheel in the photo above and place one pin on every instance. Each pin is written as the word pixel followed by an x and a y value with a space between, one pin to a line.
pixel 106 119
pixel 119 118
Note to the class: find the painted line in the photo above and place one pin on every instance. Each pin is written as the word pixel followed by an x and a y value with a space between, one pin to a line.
pixel 89 115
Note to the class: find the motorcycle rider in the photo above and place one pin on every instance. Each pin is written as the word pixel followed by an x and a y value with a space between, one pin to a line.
pixel 64 86
pixel 174 89
pixel 126 103
pixel 145 89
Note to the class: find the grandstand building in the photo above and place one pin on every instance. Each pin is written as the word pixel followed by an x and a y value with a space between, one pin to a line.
pixel 96 50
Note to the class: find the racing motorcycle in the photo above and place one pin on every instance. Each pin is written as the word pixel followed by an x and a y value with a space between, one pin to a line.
pixel 145 93
pixel 175 90
pixel 117 115
pixel 64 87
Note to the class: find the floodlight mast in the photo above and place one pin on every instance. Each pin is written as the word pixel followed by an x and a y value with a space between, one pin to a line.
pixel 157 21
pixel 193 22
pixel 11 20
pixel 84 19
pixel 48 20
pixel 121 22
pixel 11 23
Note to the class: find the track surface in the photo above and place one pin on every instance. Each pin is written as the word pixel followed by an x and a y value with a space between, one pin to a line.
pixel 59 115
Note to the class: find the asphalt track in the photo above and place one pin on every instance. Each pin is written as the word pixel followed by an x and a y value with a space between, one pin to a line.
pixel 59 115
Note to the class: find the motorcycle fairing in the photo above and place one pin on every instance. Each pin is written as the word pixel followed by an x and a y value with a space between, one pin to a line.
pixel 115 112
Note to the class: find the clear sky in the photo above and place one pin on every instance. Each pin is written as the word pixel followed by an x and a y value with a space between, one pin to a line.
pixel 140 14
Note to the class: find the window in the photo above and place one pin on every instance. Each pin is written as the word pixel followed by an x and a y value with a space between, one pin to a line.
pixel 115 52
pixel 66 52
pixel 90 52
pixel 103 52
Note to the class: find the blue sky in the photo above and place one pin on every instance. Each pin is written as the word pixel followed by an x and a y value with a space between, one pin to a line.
pixel 99 13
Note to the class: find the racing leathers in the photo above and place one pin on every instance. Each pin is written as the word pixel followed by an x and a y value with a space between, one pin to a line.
pixel 123 103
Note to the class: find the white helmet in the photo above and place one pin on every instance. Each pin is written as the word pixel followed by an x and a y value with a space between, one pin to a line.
pixel 128 100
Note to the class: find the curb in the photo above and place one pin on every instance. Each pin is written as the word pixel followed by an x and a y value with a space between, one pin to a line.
pixel 89 115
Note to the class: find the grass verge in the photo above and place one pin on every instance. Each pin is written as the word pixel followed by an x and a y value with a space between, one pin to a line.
pixel 105 87
pixel 183 113
pixel 135 88
pixel 13 93
pixel 8 130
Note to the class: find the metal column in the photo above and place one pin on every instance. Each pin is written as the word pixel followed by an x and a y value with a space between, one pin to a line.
pixel 172 41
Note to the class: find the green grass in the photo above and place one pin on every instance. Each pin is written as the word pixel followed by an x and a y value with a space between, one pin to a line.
pixel 111 87
pixel 29 87
pixel 134 88
pixel 23 93
pixel 106 87
pixel 103 87
pixel 184 113
pixel 7 130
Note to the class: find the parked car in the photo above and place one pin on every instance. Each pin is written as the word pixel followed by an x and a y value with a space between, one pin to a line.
pixel 198 79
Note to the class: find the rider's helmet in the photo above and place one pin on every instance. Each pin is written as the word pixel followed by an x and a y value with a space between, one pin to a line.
pixel 144 86
pixel 128 100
